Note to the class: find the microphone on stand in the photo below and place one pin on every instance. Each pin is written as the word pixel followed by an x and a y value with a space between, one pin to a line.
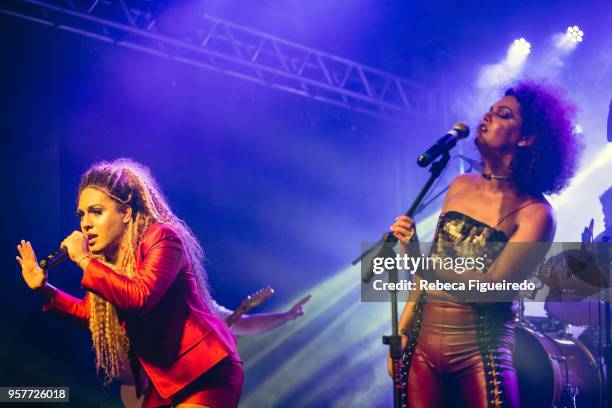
pixel 54 258
pixel 444 144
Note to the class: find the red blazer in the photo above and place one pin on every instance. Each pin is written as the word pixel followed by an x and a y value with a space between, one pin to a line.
pixel 172 332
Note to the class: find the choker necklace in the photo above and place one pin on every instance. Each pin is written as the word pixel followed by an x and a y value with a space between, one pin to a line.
pixel 489 176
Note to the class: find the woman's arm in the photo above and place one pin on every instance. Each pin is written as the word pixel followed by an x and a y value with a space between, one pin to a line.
pixel 55 300
pixel 260 323
pixel 161 264
pixel 66 305
pixel 59 301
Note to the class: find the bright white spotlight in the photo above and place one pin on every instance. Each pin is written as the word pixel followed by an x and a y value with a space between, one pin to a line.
pixel 492 76
pixel 574 34
pixel 578 129
pixel 517 53
pixel 521 46
pixel 567 41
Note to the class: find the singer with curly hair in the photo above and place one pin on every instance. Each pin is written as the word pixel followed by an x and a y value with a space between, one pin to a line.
pixel 463 350
pixel 148 305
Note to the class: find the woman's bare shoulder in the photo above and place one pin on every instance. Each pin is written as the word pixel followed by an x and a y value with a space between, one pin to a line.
pixel 537 209
pixel 537 220
pixel 464 180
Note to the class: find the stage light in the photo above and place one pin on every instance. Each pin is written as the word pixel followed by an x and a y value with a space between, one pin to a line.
pixel 495 75
pixel 517 55
pixel 574 34
pixel 578 129
pixel 568 40
pixel 521 46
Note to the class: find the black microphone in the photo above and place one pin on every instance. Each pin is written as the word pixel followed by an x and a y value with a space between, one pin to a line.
pixel 444 144
pixel 54 258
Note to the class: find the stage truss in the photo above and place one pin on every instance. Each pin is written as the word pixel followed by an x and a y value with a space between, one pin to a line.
pixel 230 49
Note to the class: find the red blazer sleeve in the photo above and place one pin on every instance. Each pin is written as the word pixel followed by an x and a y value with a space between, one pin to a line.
pixel 163 259
pixel 67 305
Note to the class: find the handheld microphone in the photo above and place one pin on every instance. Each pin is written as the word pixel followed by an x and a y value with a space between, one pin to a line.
pixel 54 258
pixel 443 145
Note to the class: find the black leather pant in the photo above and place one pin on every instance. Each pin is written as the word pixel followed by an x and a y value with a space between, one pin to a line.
pixel 462 356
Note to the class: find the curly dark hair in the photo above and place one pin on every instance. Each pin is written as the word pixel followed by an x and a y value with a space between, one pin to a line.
pixel 547 165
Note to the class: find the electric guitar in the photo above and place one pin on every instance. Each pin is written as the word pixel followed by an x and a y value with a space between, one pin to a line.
pixel 247 304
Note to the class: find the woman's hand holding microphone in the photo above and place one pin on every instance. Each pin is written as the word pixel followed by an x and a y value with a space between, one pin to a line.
pixel 77 245
pixel 404 230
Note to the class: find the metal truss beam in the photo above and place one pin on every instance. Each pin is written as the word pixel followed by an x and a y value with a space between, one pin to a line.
pixel 237 51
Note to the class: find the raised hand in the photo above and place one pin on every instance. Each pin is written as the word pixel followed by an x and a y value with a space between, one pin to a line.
pixel 33 275
pixel 297 310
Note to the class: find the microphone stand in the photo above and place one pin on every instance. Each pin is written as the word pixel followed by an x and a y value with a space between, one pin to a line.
pixel 388 241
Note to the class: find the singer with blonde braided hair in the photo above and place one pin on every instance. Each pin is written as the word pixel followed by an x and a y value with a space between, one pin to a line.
pixel 148 305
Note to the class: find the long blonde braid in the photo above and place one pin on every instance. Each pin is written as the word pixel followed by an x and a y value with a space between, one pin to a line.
pixel 130 183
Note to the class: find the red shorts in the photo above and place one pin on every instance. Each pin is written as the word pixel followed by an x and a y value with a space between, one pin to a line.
pixel 219 387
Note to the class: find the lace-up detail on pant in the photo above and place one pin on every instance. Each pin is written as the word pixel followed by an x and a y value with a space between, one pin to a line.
pixel 491 328
pixel 409 352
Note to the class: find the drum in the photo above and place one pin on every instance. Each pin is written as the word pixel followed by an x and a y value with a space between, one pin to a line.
pixel 556 370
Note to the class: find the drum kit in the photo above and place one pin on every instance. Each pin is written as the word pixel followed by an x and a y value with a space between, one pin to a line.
pixel 555 368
